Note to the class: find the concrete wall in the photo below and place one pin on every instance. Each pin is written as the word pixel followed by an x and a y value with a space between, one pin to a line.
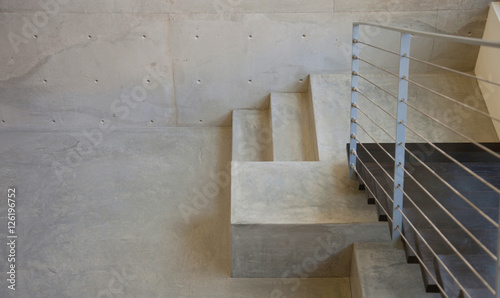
pixel 488 65
pixel 69 63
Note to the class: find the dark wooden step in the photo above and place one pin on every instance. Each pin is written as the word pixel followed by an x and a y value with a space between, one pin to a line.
pixel 460 241
pixel 474 190
pixel 484 265
pixel 409 234
pixel 374 193
pixel 487 200
pixel 468 217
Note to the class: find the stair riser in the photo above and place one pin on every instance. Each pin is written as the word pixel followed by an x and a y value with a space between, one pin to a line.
pixel 287 251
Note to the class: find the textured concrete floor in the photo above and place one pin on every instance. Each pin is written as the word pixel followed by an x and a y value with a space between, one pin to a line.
pixel 122 216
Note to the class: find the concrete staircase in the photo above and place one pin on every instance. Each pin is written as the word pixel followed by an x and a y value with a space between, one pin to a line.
pixel 294 210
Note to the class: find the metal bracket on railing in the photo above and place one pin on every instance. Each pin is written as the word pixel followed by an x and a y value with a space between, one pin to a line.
pixel 404 67
pixel 354 100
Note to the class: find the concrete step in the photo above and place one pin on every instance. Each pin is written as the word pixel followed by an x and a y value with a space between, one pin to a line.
pixel 294 136
pixel 329 101
pixel 252 136
pixel 380 270
pixel 289 217
pixel 296 192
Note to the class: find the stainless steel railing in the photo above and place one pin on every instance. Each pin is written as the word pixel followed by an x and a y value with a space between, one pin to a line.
pixel 402 126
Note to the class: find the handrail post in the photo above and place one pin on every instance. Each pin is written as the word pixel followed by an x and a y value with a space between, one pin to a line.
pixel 354 100
pixel 404 67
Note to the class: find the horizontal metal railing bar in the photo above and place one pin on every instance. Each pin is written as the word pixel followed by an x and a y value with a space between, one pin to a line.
pixel 452 100
pixel 422 262
pixel 492 255
pixel 451 38
pixel 494 223
pixel 369 81
pixel 452 70
pixel 381 147
pixel 379 48
pixel 450 245
pixel 433 253
pixel 454 131
pixel 376 104
pixel 375 122
pixel 455 161
pixel 376 199
pixel 378 67
pixel 375 160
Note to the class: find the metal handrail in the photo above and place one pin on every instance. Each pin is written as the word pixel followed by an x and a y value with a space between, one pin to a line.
pixel 441 36
pixel 400 172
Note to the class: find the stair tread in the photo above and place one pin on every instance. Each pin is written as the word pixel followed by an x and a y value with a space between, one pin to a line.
pixel 460 241
pixel 292 128
pixel 252 136
pixel 328 94
pixel 484 265
pixel 296 192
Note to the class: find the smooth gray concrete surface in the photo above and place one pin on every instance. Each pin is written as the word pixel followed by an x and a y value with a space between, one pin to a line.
pixel 187 6
pixel 298 250
pixel 208 57
pixel 293 135
pixel 380 270
pixel 252 135
pixel 296 192
pixel 84 68
pixel 143 213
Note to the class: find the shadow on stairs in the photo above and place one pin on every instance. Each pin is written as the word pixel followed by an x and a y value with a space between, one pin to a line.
pixel 467 224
